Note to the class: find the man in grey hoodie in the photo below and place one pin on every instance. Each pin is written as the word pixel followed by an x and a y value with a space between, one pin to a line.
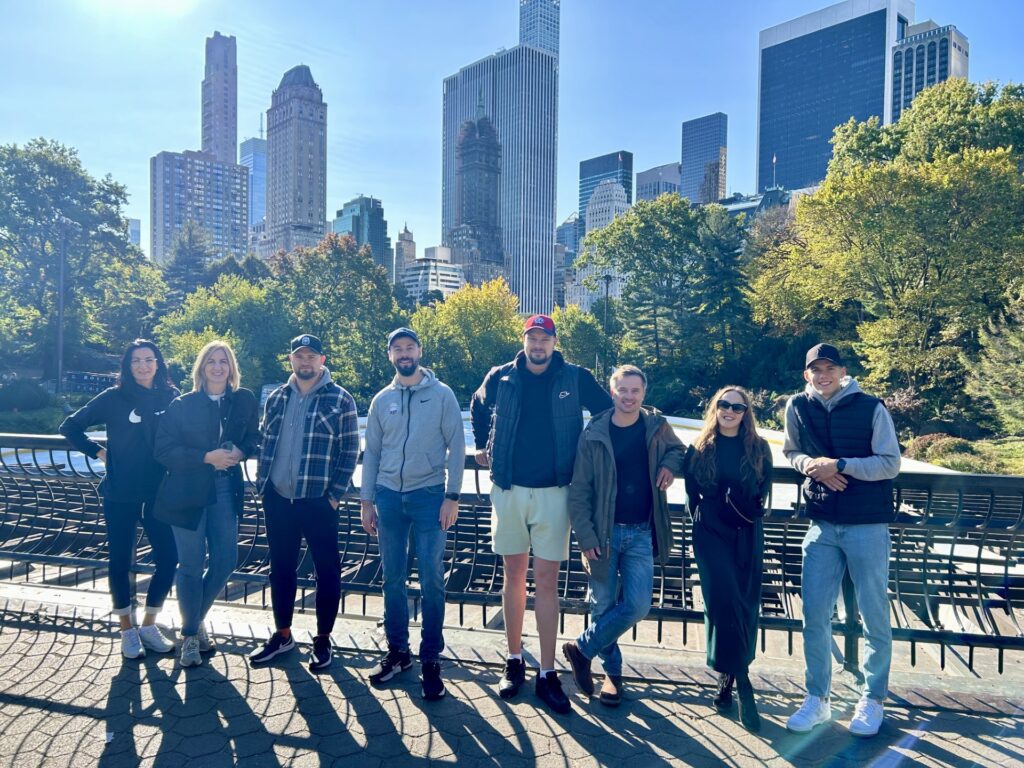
pixel 414 432
pixel 844 442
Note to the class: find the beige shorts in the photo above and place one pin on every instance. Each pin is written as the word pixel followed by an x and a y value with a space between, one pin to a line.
pixel 525 518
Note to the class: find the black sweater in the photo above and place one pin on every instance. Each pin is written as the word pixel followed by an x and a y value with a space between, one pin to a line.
pixel 130 414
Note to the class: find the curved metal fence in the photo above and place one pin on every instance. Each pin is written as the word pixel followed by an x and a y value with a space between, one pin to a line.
pixel 956 576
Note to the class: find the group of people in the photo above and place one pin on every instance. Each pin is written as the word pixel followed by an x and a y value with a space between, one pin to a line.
pixel 172 463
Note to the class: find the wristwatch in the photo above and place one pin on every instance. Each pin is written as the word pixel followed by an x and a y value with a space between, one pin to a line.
pixel 452 496
pixel 840 465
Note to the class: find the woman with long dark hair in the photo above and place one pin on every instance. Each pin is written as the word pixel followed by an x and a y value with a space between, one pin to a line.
pixel 131 410
pixel 202 440
pixel 728 474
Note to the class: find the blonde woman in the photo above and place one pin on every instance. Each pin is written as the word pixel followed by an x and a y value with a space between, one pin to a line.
pixel 202 439
pixel 728 472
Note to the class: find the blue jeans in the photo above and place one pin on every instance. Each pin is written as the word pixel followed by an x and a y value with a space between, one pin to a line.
pixel 829 550
pixel 217 533
pixel 632 567
pixel 417 511
pixel 122 520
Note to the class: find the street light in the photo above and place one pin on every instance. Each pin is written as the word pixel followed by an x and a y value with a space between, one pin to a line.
pixel 607 289
pixel 65 224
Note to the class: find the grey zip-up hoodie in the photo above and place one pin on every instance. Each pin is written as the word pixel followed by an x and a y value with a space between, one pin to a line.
pixel 884 462
pixel 412 435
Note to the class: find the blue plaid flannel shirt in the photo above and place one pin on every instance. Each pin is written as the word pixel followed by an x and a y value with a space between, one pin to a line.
pixel 330 445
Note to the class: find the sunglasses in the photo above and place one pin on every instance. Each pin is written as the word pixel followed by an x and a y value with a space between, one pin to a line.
pixel 725 405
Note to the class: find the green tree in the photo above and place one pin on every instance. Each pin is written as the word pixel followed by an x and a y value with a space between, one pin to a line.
pixel 252 316
pixel 49 206
pixel 463 337
pixel 998 374
pixel 337 292
pixel 581 339
pixel 186 268
pixel 250 268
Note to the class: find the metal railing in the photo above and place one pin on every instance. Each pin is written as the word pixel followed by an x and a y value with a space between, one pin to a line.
pixel 956 575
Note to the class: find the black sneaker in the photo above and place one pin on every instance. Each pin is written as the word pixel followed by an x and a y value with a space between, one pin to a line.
pixel 433 685
pixel 549 690
pixel 390 664
pixel 515 676
pixel 275 646
pixel 321 657
pixel 580 668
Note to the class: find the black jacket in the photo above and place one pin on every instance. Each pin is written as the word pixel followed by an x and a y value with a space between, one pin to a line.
pixel 130 414
pixel 194 425
pixel 495 414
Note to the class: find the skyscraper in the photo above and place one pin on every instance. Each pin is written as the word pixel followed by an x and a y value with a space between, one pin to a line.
pixel 192 186
pixel 405 251
pixel 296 164
pixel 615 166
pixel 657 181
pixel 816 72
pixel 518 89
pixel 704 150
pixel 538 24
pixel 475 239
pixel 135 232
pixel 363 218
pixel 220 99
pixel 927 55
pixel 606 203
pixel 252 153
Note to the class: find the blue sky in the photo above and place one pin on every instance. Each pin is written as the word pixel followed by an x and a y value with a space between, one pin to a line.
pixel 120 80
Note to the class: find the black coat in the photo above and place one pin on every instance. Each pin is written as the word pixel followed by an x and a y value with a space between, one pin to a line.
pixel 194 425
pixel 130 414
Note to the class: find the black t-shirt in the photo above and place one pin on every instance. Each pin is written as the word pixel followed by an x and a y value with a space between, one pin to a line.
pixel 634 498
pixel 533 460
pixel 729 454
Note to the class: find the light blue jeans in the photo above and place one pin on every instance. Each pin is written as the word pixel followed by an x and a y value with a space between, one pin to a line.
pixel 632 568
pixel 829 550
pixel 217 533
pixel 417 511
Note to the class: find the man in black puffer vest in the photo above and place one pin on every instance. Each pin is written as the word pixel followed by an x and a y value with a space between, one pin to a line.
pixel 527 420
pixel 844 441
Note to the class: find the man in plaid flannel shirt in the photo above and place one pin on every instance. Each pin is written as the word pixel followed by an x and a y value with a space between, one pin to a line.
pixel 310 443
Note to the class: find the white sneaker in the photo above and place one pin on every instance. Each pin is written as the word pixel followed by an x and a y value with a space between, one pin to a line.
pixel 206 643
pixel 867 717
pixel 131 644
pixel 155 640
pixel 190 652
pixel 814 711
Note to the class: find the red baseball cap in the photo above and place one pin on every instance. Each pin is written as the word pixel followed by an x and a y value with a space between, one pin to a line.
pixel 540 322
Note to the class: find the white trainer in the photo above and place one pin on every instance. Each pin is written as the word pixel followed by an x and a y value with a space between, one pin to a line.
pixel 867 717
pixel 814 711
pixel 155 640
pixel 190 651
pixel 206 643
pixel 131 644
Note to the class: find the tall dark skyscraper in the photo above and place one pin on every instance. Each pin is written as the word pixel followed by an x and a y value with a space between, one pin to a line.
pixel 519 91
pixel 615 166
pixel 220 99
pixel 296 164
pixel 475 240
pixel 363 218
pixel 817 72
pixel 704 150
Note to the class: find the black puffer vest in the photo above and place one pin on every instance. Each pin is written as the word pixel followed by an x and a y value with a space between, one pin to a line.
pixel 843 432
pixel 566 410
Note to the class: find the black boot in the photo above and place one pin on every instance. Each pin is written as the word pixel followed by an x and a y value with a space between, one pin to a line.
pixel 748 709
pixel 723 697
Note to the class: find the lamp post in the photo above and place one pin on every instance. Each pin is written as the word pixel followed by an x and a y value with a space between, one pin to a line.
pixel 64 222
pixel 607 289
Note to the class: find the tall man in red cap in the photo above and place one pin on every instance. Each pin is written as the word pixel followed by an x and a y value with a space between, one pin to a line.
pixel 527 419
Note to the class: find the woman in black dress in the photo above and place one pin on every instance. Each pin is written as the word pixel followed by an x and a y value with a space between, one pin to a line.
pixel 728 476
pixel 130 410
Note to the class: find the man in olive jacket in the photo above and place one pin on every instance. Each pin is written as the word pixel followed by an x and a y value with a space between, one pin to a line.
pixel 627 458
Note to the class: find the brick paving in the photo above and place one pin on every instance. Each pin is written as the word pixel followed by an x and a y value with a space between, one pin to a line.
pixel 67 698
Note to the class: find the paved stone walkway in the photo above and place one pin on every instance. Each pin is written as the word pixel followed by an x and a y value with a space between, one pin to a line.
pixel 67 698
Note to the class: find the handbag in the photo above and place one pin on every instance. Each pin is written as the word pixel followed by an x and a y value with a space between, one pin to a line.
pixel 181 497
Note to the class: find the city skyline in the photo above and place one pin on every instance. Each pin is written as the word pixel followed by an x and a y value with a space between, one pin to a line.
pixel 119 85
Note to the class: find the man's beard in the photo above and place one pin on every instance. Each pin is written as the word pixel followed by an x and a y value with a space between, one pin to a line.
pixel 406 369
pixel 538 358
pixel 306 375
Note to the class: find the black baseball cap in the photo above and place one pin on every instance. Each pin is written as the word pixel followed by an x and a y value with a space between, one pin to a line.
pixel 823 352
pixel 308 340
pixel 400 332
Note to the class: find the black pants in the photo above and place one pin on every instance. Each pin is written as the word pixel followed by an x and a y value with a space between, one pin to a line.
pixel 730 564
pixel 123 518
pixel 287 522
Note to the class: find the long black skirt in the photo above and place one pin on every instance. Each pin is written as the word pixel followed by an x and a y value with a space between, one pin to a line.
pixel 730 562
